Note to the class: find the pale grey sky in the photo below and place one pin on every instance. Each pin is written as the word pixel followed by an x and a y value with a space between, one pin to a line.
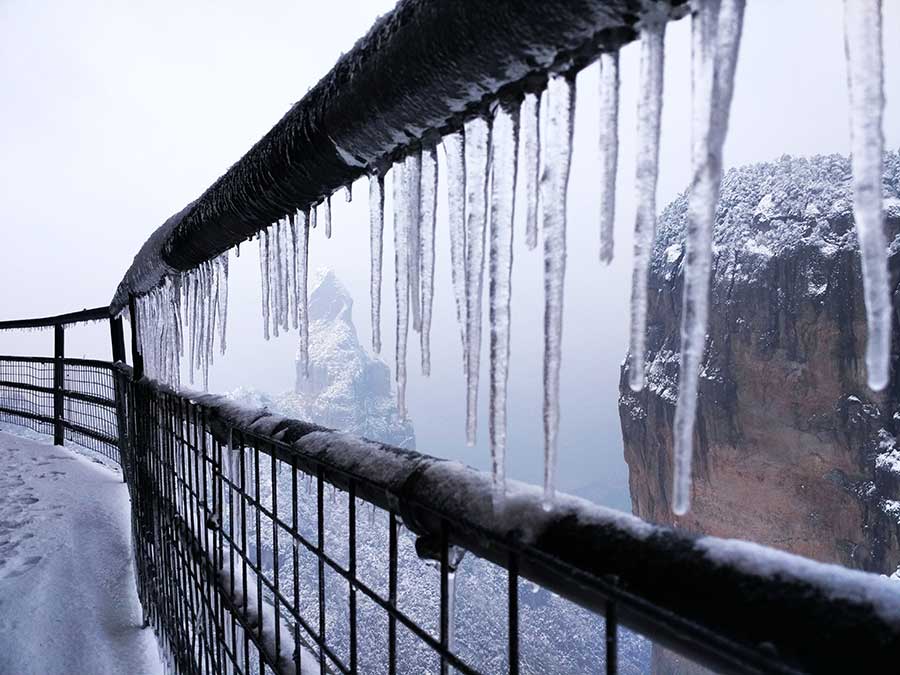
pixel 114 115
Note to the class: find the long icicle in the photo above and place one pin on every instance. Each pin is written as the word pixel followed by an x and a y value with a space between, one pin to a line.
pixel 609 151
pixel 302 278
pixel 327 216
pixel 376 230
pixel 504 148
pixel 454 150
pixel 223 300
pixel 412 172
pixel 427 213
pixel 264 279
pixel 401 282
pixel 649 114
pixel 554 188
pixel 295 220
pixel 715 34
pixel 865 75
pixel 478 138
pixel 530 129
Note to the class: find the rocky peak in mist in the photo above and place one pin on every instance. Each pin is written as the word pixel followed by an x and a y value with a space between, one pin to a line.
pixel 792 448
pixel 346 389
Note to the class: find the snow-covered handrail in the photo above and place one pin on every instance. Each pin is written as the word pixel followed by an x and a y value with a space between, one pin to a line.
pixel 81 316
pixel 731 604
pixel 421 70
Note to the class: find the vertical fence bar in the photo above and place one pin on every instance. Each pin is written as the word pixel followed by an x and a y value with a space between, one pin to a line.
pixel 392 594
pixel 612 627
pixel 117 339
pixel 513 600
pixel 59 380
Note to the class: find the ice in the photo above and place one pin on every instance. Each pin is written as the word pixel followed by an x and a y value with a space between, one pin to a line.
pixel 427 212
pixel 715 34
pixel 478 138
pixel 609 151
pixel 281 316
pixel 327 216
pixel 401 280
pixel 530 129
pixel 504 148
pixel 454 149
pixel 412 176
pixel 222 261
pixel 376 229
pixel 348 193
pixel 865 74
pixel 303 218
pixel 264 277
pixel 554 187
pixel 648 116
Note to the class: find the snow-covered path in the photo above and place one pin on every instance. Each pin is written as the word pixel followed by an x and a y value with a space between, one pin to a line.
pixel 68 602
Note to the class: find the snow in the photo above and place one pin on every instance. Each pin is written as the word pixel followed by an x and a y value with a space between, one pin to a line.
pixel 376 228
pixel 715 38
pixel 609 150
pixel 865 73
pixel 477 157
pixel 833 581
pixel 888 458
pixel 554 190
pixel 504 148
pixel 649 114
pixel 67 586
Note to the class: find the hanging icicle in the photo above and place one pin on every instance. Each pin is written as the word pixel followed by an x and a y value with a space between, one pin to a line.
pixel 530 121
pixel 376 229
pixel 478 138
pixel 401 280
pixel 865 75
pixel 609 151
pixel 264 276
pixel 412 172
pixel 327 216
pixel 504 148
pixel 554 189
pixel 454 150
pixel 715 36
pixel 303 218
pixel 427 214
pixel 649 114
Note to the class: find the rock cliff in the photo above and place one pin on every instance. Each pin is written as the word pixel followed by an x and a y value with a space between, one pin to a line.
pixel 792 449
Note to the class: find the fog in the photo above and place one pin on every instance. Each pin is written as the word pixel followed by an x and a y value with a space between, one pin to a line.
pixel 114 115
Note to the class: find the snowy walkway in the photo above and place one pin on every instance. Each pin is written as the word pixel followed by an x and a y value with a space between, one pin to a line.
pixel 68 602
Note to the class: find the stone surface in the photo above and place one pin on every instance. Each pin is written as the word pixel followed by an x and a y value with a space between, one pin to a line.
pixel 792 449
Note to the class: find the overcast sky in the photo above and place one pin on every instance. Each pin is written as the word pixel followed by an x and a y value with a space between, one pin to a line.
pixel 114 115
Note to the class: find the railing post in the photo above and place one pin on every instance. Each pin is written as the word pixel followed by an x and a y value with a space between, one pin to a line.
pixel 59 349
pixel 137 361
pixel 117 338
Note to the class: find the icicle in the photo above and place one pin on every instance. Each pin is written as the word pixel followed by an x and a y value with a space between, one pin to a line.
pixel 328 217
pixel 648 114
pixel 401 281
pixel 302 275
pixel 312 217
pixel 478 138
pixel 554 187
pixel 264 275
pixel 296 219
pixel 530 117
pixel 609 150
pixel 427 211
pixel 865 75
pixel 290 272
pixel 376 228
pixel 715 39
pixel 280 285
pixel 348 192
pixel 504 148
pixel 454 149
pixel 412 172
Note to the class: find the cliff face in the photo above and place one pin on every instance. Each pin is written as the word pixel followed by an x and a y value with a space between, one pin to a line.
pixel 792 450
pixel 346 388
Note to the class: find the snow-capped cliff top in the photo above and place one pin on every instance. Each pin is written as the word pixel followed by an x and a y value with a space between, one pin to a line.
pixel 767 208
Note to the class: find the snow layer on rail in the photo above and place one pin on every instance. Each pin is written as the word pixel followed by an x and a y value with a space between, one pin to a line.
pixel 715 34
pixel 648 114
pixel 865 75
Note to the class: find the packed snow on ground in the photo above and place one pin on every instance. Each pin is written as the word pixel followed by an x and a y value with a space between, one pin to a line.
pixel 68 601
